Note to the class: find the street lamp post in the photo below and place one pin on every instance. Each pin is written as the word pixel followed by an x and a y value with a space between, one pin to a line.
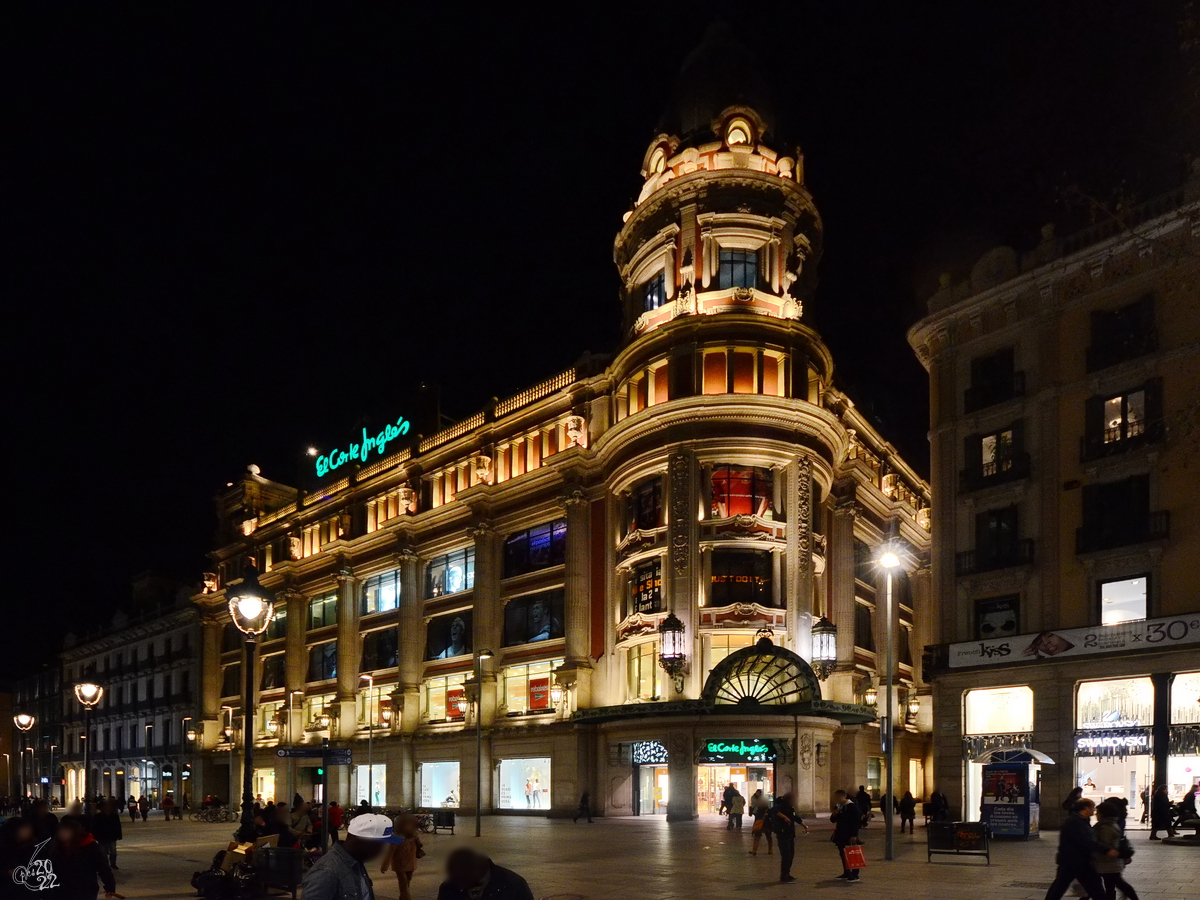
pixel 50 781
pixel 252 609
pixel 889 560
pixel 370 679
pixel 24 722
pixel 480 656
pixel 8 776
pixel 89 696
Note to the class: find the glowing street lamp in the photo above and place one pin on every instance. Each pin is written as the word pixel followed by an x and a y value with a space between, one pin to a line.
pixel 252 608
pixel 888 559
pixel 89 696
pixel 24 722
pixel 824 656
pixel 672 649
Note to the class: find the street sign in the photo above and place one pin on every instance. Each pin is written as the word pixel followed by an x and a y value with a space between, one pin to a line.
pixel 300 753
pixel 339 756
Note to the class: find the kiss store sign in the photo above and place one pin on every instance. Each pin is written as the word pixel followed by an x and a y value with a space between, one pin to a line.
pixel 360 452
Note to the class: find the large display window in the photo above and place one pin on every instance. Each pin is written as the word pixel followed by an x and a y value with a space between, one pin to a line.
pixel 1006 710
pixel 439 784
pixel 371 783
pixel 1121 703
pixel 525 783
pixel 1183 763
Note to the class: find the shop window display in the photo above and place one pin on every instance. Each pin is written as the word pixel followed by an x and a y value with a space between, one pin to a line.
pixel 440 784
pixel 533 618
pixel 525 783
pixel 449 635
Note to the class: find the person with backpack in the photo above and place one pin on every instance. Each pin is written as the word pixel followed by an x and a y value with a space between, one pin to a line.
pixel 1111 836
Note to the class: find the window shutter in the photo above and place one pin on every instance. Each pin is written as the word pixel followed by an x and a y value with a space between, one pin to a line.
pixel 973 453
pixel 1154 403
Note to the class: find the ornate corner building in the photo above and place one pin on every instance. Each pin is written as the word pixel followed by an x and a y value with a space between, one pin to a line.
pixel 1064 385
pixel 709 471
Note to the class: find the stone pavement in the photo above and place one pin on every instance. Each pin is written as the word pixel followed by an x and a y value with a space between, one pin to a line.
pixel 646 858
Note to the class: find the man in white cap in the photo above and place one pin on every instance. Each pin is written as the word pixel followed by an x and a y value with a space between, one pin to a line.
pixel 341 874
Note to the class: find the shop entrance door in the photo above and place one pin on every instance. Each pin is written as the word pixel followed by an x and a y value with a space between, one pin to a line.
pixel 1115 776
pixel 711 782
pixel 652 790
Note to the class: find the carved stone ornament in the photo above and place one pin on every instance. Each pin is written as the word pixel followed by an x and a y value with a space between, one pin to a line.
pixel 408 500
pixel 481 469
pixel 577 430
pixel 210 583
pixel 743 294
pixel 822 755
pixel 680 472
pixel 295 546
pixel 804 488
pixel 573 497
pixel 248 526
pixel 806 747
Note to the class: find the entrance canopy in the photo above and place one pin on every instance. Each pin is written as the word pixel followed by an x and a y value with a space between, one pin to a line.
pixel 1014 755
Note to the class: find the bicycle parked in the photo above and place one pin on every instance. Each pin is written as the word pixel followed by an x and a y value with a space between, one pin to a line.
pixel 215 814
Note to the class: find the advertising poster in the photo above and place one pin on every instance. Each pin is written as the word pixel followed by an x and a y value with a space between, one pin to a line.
pixel 1006 798
pixel 537 617
pixel 449 636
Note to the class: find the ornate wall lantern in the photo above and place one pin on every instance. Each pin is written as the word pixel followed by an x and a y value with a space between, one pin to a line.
pixel 824 638
pixel 672 649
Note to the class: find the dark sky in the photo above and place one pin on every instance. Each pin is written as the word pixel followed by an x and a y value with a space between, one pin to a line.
pixel 234 230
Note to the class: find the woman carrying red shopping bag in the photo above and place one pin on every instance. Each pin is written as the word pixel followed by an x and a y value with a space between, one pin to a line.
pixel 847 820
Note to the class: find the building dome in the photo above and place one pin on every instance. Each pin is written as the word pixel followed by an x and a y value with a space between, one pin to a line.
pixel 721 73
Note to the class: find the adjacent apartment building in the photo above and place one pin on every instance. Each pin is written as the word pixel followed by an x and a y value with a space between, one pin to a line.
pixel 1065 430
pixel 709 481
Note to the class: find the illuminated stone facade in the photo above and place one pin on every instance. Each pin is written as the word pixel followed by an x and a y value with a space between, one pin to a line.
pixel 1064 387
pixel 710 468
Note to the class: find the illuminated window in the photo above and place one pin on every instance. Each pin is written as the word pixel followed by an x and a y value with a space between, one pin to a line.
pixel 724 644
pixel 654 292
pixel 741 491
pixel 997 452
pixel 442 696
pixel 278 626
pixel 322 611
pixel 737 268
pixel 1123 600
pixel 1120 703
pixel 741 576
pixel 535 548
pixel 322 661
pixel 527 686
pixel 318 710
pixel 737 133
pixel 1124 416
pixel 451 573
pixel 658 161
pixel 645 587
pixel 1006 710
pixel 381 593
pixel 645 681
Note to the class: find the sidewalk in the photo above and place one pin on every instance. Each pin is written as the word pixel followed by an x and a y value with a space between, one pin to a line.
pixel 645 859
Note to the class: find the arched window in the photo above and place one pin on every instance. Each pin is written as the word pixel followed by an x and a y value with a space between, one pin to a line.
pixel 658 161
pixel 737 132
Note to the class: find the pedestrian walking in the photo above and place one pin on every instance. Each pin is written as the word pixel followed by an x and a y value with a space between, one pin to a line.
pixel 143 806
pixel 908 811
pixel 784 820
pixel 939 807
pixel 17 845
pixel 585 808
pixel 1077 852
pixel 737 808
pixel 726 796
pixel 1145 798
pixel 78 863
pixel 863 800
pixel 1160 813
pixel 168 806
pixel 471 875
pixel 760 813
pixel 1111 836
pixel 1072 798
pixel 402 858
pixel 132 806
pixel 106 828
pixel 336 818
pixel 847 820
pixel 341 874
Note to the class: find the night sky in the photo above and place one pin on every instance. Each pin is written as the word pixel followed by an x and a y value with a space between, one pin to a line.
pixel 232 235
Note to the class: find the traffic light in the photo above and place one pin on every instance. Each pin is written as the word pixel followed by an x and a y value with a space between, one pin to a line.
pixel 320 772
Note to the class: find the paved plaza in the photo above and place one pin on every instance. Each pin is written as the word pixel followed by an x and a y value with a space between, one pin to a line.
pixel 646 858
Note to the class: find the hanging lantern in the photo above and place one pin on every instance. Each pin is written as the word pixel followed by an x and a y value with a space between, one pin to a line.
pixel 556 694
pixel 870 694
pixel 914 705
pixel 672 652
pixel 824 653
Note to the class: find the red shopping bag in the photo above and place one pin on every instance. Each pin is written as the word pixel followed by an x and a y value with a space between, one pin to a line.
pixel 854 856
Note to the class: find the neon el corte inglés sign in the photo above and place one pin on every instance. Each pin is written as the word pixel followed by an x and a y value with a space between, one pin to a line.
pixel 359 452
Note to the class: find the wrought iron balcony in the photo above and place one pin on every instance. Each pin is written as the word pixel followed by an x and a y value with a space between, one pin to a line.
pixel 989 393
pixel 1012 467
pixel 989 559
pixel 1120 439
pixel 1155 526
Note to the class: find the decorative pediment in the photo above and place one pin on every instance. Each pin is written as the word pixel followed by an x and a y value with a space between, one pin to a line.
pixel 743 615
pixel 635 625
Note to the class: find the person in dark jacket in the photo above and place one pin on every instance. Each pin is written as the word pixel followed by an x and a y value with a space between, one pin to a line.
pixel 45 823
pixel 106 829
pixel 468 871
pixel 78 862
pixel 1160 813
pixel 847 820
pixel 1186 811
pixel 863 799
pixel 585 808
pixel 784 820
pixel 1110 833
pixel 908 811
pixel 939 807
pixel 17 845
pixel 1077 852
pixel 1072 798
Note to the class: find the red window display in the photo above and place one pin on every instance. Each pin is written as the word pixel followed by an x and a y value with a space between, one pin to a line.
pixel 454 696
pixel 539 693
pixel 741 491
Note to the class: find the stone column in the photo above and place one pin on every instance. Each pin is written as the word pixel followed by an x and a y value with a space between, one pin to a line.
pixel 799 508
pixel 681 775
pixel 924 619
pixel 840 571
pixel 406 700
pixel 349 650
pixel 488 612
pixel 684 563
pixel 576 670
pixel 209 725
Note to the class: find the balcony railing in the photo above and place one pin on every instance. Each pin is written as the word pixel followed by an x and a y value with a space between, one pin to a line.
pixel 1013 467
pixel 989 393
pixel 1121 439
pixel 1155 526
pixel 989 559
